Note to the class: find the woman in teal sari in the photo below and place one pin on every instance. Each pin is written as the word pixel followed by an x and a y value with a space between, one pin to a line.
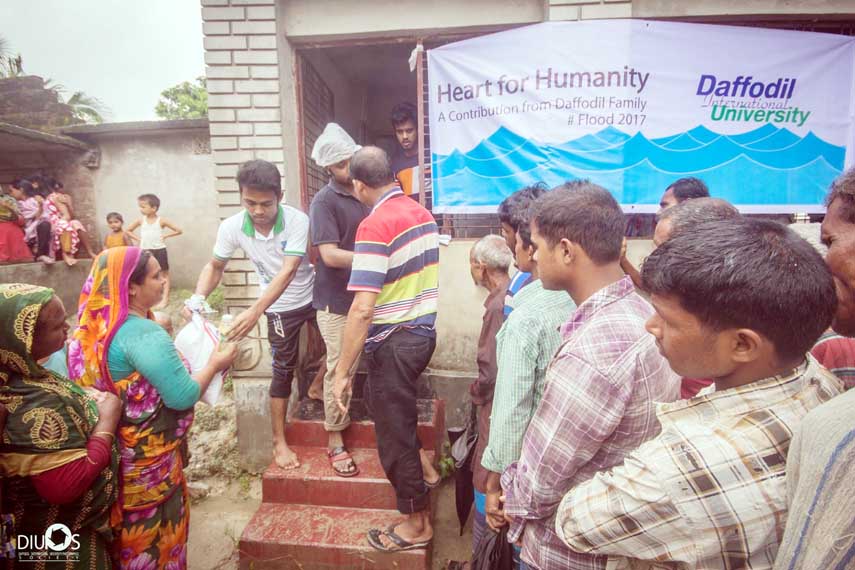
pixel 117 347
pixel 58 457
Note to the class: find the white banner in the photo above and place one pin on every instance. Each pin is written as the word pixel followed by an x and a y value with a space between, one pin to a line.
pixel 764 117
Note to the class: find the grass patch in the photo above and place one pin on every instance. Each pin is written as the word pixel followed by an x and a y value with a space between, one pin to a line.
pixel 217 298
pixel 244 481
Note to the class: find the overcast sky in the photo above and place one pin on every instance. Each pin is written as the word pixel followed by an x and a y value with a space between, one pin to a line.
pixel 124 52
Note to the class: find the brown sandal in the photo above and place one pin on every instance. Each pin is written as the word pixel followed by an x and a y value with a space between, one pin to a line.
pixel 341 454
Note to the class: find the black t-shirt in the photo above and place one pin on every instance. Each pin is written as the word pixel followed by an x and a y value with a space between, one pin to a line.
pixel 334 216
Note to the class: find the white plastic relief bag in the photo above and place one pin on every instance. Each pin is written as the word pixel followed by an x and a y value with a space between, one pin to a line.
pixel 196 342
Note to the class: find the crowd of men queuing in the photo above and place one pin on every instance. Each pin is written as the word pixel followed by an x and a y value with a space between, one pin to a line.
pixel 690 414
pixel 657 424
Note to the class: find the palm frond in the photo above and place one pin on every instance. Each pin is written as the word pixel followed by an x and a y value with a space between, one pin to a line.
pixel 87 109
pixel 52 85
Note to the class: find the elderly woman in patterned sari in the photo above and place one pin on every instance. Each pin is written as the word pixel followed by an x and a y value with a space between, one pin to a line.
pixel 58 457
pixel 118 347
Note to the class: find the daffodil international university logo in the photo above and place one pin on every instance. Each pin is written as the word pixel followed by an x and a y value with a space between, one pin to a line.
pixel 57 544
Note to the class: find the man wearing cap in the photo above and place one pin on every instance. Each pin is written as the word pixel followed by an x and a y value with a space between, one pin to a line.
pixel 334 215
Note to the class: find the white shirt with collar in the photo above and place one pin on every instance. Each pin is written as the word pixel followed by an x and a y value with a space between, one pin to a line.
pixel 288 237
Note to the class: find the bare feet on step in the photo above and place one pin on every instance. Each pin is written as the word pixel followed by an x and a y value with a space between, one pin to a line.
pixel 285 458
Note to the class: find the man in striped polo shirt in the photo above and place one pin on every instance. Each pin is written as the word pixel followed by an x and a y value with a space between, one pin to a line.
pixel 395 280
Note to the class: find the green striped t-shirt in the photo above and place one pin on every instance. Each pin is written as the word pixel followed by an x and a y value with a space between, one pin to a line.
pixel 525 346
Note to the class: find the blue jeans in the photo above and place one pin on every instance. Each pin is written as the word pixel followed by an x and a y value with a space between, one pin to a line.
pixel 479 520
pixel 518 563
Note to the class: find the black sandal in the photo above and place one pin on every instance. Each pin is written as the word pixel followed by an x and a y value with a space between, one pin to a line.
pixel 401 544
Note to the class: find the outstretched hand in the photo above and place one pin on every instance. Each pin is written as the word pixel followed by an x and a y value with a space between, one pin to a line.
pixel 243 324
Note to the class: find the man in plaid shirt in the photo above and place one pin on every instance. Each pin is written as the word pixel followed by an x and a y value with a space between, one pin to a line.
pixel 601 386
pixel 741 301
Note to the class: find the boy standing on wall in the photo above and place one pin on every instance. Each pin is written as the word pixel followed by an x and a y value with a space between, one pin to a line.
pixel 152 238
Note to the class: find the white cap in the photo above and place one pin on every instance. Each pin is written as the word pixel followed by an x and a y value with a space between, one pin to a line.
pixel 334 145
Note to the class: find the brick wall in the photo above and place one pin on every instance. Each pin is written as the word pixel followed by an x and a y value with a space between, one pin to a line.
pixel 244 110
pixel 589 9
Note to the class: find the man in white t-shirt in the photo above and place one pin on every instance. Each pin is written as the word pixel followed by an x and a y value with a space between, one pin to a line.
pixel 274 237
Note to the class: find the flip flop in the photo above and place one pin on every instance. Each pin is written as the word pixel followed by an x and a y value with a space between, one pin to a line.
pixel 401 544
pixel 341 454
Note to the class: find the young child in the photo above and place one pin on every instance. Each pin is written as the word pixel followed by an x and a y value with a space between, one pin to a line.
pixel 68 232
pixel 152 237
pixel 117 236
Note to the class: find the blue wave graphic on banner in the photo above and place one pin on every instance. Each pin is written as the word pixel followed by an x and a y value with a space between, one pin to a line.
pixel 768 165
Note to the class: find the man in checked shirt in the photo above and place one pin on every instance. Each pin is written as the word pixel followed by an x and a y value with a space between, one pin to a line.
pixel 740 301
pixel 601 386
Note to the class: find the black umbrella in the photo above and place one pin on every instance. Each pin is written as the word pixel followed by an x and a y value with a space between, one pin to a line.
pixel 493 551
pixel 462 451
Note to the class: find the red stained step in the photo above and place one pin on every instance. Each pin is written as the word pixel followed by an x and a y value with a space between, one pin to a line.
pixel 315 483
pixel 309 537
pixel 311 433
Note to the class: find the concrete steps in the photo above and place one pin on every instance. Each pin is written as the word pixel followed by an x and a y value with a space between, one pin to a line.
pixel 315 483
pixel 312 519
pixel 305 537
pixel 307 429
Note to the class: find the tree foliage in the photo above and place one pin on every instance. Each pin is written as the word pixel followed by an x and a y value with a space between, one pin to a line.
pixel 184 101
pixel 84 108
pixel 87 109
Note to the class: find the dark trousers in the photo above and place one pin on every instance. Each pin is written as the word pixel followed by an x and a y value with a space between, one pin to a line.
pixel 283 333
pixel 393 373
pixel 43 238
